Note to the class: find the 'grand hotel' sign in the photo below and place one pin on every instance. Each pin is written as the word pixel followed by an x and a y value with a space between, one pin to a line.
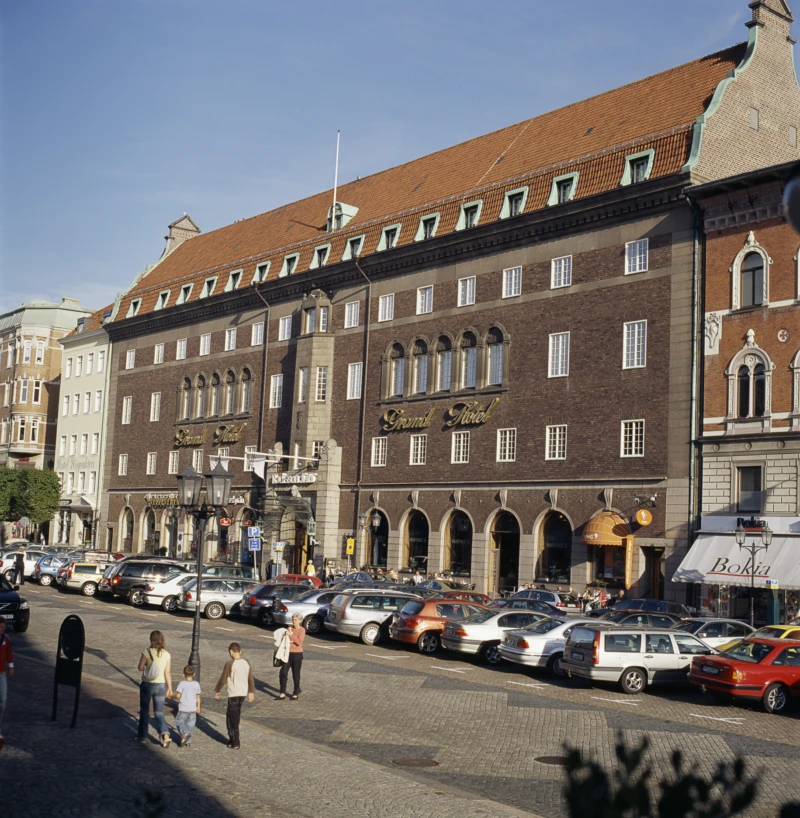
pixel 228 433
pixel 462 413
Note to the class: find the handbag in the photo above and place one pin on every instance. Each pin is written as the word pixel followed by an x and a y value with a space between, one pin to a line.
pixel 152 671
pixel 276 662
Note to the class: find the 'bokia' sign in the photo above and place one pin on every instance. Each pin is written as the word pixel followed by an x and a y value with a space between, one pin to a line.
pixel 462 413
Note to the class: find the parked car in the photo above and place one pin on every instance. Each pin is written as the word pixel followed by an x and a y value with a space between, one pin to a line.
pixel 541 644
pixel 464 596
pixel 129 579
pixel 653 605
pixel 562 600
pixel 716 632
pixel 422 621
pixel 219 569
pixel 63 550
pixel 366 576
pixel 365 614
pixel 640 619
pixel 82 576
pixel 218 597
pixel 31 556
pixel 755 669
pixel 295 579
pixel 260 601
pixel 480 635
pixel 311 605
pixel 167 592
pixel 47 567
pixel 631 657
pixel 446 585
pixel 767 632
pixel 525 604
pixel 13 608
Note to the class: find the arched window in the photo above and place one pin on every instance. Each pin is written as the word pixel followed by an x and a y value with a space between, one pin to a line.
pixel 398 371
pixel 469 361
pixel 749 377
pixel 200 403
pixel 230 393
pixel 555 556
pixel 247 390
pixel 744 391
pixel 127 530
pixel 216 394
pixel 759 391
pixel 417 541
pixel 494 358
pixel 458 545
pixel 186 399
pixel 420 368
pixel 752 280
pixel 444 364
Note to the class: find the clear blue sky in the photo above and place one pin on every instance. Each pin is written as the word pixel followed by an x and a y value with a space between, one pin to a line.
pixel 120 115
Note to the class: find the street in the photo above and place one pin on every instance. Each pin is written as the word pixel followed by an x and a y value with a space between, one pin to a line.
pixel 335 751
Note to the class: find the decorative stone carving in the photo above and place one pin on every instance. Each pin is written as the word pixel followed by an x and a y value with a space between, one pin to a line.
pixel 713 333
pixel 415 498
pixel 502 496
pixel 375 498
pixel 457 498
pixel 750 339
pixel 608 497
pixel 552 497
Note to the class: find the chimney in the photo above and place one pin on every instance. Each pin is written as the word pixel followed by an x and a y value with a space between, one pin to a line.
pixel 180 230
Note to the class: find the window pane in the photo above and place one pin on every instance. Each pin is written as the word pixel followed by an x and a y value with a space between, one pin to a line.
pixel 445 365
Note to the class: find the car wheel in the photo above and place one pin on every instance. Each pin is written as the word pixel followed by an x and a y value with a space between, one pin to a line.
pixel 169 604
pixel 428 642
pixel 9 575
pixel 370 633
pixel 45 579
pixel 214 610
pixel 775 698
pixel 266 618
pixel 21 628
pixel 312 624
pixel 136 597
pixel 554 666
pixel 491 654
pixel 89 588
pixel 634 680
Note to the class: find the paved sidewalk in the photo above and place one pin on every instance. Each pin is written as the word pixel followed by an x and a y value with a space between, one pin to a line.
pixel 98 770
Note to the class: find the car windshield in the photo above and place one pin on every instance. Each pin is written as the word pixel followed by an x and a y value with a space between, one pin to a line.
pixel 568 599
pixel 769 633
pixel 691 627
pixel 306 595
pixel 748 651
pixel 545 626
pixel 481 617
pixel 413 608
pixel 4 585
pixel 616 617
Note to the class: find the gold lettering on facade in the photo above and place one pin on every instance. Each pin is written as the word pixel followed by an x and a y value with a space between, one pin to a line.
pixel 162 500
pixel 228 434
pixel 184 437
pixel 395 420
pixel 469 413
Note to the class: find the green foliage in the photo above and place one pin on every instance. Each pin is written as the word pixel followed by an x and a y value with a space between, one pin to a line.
pixel 8 491
pixel 29 493
pixel 631 793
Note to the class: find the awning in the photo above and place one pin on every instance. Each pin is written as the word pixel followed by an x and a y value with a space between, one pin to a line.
pixel 715 559
pixel 606 528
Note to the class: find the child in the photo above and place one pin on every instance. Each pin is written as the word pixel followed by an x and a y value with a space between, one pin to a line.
pixel 237 675
pixel 188 691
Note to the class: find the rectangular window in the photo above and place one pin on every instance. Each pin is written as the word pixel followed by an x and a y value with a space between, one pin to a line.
pixel 389 238
pixel 515 204
pixel 92 482
pixel 420 374
pixel 64 404
pixel 151 462
pixel 634 345
pixel 95 442
pixel 564 189
pixel 90 363
pixel 379 448
pixel 466 291
pixel 78 364
pixel 155 406
pixel 460 448
pixel 386 307
pixel 445 367
pixel 351 314
pixel 184 294
pixel 82 482
pixel 224 451
pixel 428 227
pixel 424 300
pixel 101 361
pixel 73 445
pixel 4 432
pixel 197 460
pixel 23 391
pixel 257 334
pixel 419 450
pixel 561 272
pixel 98 400
pixel 556 448
pixel 323 319
pixel 316 448
pixel 180 350
pixel 173 467
pixel 321 256
pixel 37 391
pixel 311 320
pixel 636 256
pixel 62 446
pixel 632 443
pixel 130 359
pixel 127 406
pixel 248 457
pixel 67 368
pixel 469 367
pixel 5 394
pixel 205 344
pixel 87 402
pixel 122 468
pixel 26 354
pixel 40 356
pixel 230 339
pixel 495 363
pixel 750 495
pixel 84 443
pixel 70 482
pixel 158 354
pixel 512 282
pixel 639 169
pixel 353 381
pixel 276 391
pixel 559 355
pixel 321 394
pixel 353 248
pixel 470 216
pixel 76 403
pixel 506 445
pixel 285 328
pixel 302 386
pixel 21 430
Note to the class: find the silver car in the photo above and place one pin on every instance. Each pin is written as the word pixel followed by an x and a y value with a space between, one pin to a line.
pixel 218 597
pixel 311 606
pixel 365 613
pixel 481 634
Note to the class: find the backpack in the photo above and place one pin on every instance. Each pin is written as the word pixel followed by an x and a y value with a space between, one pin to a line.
pixel 152 671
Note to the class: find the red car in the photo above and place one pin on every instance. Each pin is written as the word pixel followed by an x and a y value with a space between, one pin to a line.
pixel 756 669
pixel 467 596
pixel 295 579
pixel 421 622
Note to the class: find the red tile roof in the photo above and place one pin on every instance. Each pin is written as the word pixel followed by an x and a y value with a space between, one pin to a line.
pixel 592 136
pixel 91 322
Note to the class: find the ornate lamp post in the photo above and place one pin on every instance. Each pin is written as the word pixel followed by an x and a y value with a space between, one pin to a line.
pixel 218 487
pixel 753 549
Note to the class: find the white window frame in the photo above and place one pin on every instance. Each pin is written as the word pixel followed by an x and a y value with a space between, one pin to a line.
pixel 461 224
pixel 352 314
pixel 315 265
pixel 386 308
pixel 127 410
pixel 631 362
pixel 122 465
pixel 185 294
pixel 289 266
pixel 354 376
pixel 76 403
pixel 622 438
pixel 631 254
pixel 158 354
pixel 302 384
pixel 87 402
pixel 234 280
pixel 382 243
pixel 40 354
pixel 512 436
pixel 62 445
pixel 558 364
pixel 64 404
pixel 152 462
pixel 466 291
pixel 627 175
pixel 555 447
pixel 459 447
pixel 248 461
pixel 420 234
pixel 257 334
pixel 101 361
pixel 162 300
pixel 380 448
pixel 133 307
pixel 321 385
pixel 155 407
pixel 130 359
pixel 276 391
pixel 180 349
pixel 36 397
pixel 95 442
pixel 347 255
pixel 78 360
pixel 205 343
pixel 560 272
pixel 512 276
pixel 230 339
pixel 418 450
pixel 92 489
pixel 73 445
pixel 505 210
pixel 285 328
pixel 98 400
pixel 425 300
pixel 557 180
pixel 67 366
pixel 197 460
pixel 260 272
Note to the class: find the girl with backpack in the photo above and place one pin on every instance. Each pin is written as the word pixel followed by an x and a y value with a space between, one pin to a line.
pixel 155 665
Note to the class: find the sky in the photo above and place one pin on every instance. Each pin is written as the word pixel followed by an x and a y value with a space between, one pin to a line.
pixel 119 117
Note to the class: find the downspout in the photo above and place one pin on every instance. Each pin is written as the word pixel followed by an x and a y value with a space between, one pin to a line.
pixel 262 492
pixel 364 371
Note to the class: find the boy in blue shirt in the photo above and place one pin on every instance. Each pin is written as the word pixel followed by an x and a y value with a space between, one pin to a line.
pixel 188 694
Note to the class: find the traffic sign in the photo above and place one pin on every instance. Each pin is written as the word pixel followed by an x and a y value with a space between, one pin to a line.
pixel 253 531
pixel 278 546
pixel 254 544
pixel 772 583
pixel 351 546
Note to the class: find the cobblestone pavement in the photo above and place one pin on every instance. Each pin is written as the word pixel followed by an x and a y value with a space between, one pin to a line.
pixel 332 752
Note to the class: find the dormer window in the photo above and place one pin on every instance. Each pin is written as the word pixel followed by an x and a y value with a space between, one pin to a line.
pixel 133 308
pixel 339 215
pixel 563 189
pixel 638 167
pixel 470 215
pixel 186 291
pixel 320 257
pixel 163 298
pixel 208 287
pixel 289 264
pixel 389 237
pixel 638 170
pixel 261 272
pixel 234 279
pixel 514 203
pixel 427 227
pixel 352 248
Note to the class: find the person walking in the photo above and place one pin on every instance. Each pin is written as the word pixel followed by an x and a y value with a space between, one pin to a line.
pixel 6 672
pixel 237 677
pixel 310 570
pixel 19 567
pixel 295 634
pixel 188 694
pixel 155 665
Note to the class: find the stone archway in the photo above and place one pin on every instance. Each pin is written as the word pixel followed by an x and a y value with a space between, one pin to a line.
pixel 505 538
pixel 126 530
pixel 415 546
pixel 555 549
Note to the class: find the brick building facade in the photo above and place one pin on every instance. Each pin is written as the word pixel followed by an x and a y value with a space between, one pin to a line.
pixel 483 372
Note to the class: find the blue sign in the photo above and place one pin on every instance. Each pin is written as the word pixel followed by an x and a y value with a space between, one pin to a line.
pixel 254 531
pixel 254 544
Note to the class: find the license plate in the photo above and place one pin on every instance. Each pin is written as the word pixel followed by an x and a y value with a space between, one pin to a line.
pixel 713 671
pixel 7 616
pixel 577 655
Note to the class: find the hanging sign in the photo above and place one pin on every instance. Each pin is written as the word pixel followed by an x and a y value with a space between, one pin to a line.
pixel 644 517
pixel 254 544
pixel 225 521
pixel 287 478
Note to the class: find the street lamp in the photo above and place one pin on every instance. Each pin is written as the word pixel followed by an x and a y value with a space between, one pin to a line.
pixel 741 540
pixel 218 486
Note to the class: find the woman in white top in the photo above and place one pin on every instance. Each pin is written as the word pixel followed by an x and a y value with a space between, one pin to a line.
pixel 155 665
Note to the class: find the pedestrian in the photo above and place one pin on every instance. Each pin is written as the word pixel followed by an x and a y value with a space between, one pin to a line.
pixel 417 578
pixel 295 634
pixel 188 694
pixel 155 665
pixel 19 567
pixel 42 539
pixel 237 677
pixel 310 570
pixel 6 672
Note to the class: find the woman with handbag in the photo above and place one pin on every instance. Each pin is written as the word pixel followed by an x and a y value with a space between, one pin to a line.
pixel 289 650
pixel 155 665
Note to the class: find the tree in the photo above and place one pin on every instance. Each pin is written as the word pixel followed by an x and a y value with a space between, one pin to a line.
pixel 9 484
pixel 37 496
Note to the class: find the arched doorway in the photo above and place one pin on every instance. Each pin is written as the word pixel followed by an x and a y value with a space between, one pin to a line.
pixel 458 545
pixel 505 537
pixel 170 524
pixel 379 538
pixel 126 529
pixel 416 544
pixel 149 532
pixel 555 554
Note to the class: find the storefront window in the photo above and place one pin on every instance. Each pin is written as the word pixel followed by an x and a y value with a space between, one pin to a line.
pixel 417 541
pixel 609 563
pixel 458 555
pixel 554 563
